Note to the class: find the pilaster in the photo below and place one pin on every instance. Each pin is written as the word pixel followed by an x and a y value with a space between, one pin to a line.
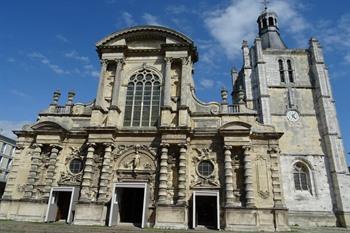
pixel 106 173
pixel 182 175
pixel 265 113
pixel 228 177
pixel 33 172
pixel 247 72
pixel 163 176
pixel 274 152
pixel 51 170
pixel 88 174
pixel 248 175
pixel 101 84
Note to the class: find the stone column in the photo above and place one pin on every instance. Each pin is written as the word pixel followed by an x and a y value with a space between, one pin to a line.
pixel 117 83
pixel 248 174
pixel 100 92
pixel 167 81
pixel 275 175
pixel 33 172
pixel 228 177
pixel 163 176
pixel 51 170
pixel 182 175
pixel 105 173
pixel 88 174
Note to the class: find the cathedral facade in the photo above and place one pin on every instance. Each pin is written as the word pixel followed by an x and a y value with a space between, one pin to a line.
pixel 148 152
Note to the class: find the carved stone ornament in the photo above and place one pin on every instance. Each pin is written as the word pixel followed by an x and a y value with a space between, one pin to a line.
pixel 203 180
pixel 67 177
pixel 134 161
pixel 262 173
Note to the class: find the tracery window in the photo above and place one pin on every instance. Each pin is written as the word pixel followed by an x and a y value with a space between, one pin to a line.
pixel 281 68
pixel 142 99
pixel 290 71
pixel 301 177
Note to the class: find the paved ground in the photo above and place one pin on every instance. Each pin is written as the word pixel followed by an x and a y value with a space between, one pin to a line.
pixel 26 227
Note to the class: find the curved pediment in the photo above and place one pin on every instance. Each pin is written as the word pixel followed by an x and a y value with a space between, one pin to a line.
pixel 236 126
pixel 155 33
pixel 49 126
pixel 147 40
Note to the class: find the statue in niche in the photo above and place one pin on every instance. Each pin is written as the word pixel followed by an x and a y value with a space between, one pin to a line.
pixel 134 163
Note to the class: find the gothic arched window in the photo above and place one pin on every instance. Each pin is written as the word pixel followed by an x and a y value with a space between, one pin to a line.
pixel 290 71
pixel 281 69
pixel 301 177
pixel 142 99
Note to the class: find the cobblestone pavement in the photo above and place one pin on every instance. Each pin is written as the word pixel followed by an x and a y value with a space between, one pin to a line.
pixel 27 227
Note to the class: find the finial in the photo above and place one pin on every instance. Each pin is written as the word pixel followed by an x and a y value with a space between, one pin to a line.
pixel 71 95
pixel 265 3
pixel 240 95
pixel 56 97
pixel 224 95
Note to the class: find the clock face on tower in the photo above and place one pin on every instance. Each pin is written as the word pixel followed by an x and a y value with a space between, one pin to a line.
pixel 293 115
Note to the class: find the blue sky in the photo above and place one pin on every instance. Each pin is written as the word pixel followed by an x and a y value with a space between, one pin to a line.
pixel 49 45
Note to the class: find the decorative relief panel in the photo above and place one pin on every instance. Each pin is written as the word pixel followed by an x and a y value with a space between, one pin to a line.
pixel 134 161
pixel 262 177
pixel 206 169
pixel 68 177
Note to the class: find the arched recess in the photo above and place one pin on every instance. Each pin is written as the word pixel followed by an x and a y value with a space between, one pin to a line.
pixel 299 168
pixel 135 162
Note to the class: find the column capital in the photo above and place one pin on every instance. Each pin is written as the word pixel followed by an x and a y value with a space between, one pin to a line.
pixel 104 62
pixel 227 147
pixel 182 145
pixel 168 59
pixel 36 146
pixel 91 145
pixel 164 145
pixel 247 148
pixel 119 60
pixel 56 146
pixel 185 60
pixel 108 144
pixel 274 149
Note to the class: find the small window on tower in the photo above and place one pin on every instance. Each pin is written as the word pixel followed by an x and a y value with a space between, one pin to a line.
pixel 281 68
pixel 290 71
pixel 264 23
pixel 271 21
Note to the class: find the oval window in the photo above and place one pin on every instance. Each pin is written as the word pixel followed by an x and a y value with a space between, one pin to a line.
pixel 76 166
pixel 205 168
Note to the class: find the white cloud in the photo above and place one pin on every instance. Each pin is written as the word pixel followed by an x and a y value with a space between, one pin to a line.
pixel 6 127
pixel 237 22
pixel 18 93
pixel 128 19
pixel 150 19
pixel 206 83
pixel 347 58
pixel 44 60
pixel 74 55
pixel 62 38
pixel 177 9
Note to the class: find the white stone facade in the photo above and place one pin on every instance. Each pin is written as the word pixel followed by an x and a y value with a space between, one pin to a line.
pixel 148 152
